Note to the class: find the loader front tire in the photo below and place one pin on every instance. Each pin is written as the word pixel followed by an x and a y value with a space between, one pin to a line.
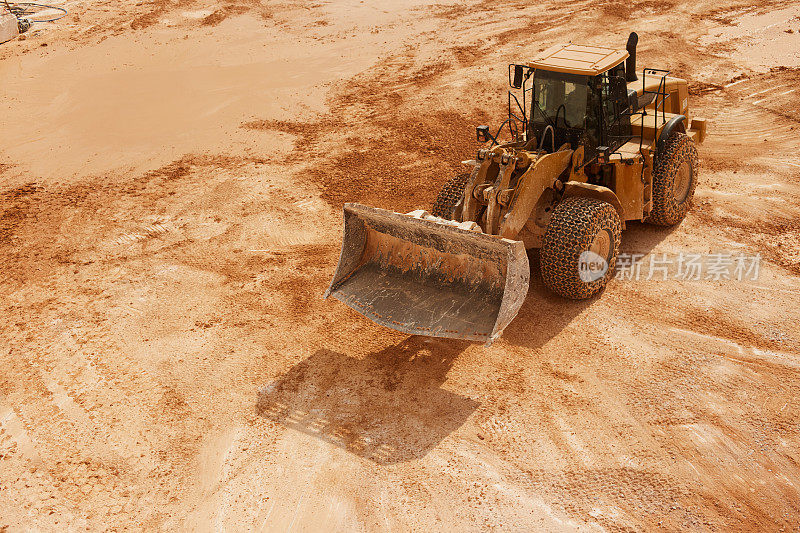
pixel 449 197
pixel 580 247
pixel 674 180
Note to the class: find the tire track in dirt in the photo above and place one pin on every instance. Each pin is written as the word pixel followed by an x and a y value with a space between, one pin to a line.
pixel 757 114
pixel 87 400
pixel 676 501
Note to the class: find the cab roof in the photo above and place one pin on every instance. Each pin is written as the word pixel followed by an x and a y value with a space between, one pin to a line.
pixel 577 59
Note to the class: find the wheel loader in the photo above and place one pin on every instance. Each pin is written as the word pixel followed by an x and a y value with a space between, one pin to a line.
pixel 590 146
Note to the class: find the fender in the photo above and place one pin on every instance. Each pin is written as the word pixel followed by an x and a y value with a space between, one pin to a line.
pixel 587 190
pixel 678 123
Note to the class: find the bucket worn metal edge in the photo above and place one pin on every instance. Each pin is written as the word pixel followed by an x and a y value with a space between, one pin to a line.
pixel 518 274
pixel 411 331
pixel 517 265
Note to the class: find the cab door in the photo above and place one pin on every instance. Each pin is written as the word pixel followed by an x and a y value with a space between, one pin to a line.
pixel 615 108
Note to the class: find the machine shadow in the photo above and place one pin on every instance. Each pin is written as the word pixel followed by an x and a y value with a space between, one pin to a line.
pixel 641 238
pixel 544 314
pixel 388 407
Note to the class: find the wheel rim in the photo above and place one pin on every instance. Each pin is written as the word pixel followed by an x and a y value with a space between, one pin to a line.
pixel 601 244
pixel 682 182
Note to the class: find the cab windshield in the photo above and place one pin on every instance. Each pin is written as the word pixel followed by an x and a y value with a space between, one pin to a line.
pixel 559 99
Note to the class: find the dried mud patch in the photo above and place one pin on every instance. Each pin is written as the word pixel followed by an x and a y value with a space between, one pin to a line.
pixel 626 10
pixel 18 204
pixel 307 134
pixel 467 55
pixel 155 10
pixel 231 8
pixel 158 9
pixel 397 163
pixel 404 167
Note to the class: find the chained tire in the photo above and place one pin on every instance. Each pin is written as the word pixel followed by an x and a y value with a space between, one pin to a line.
pixel 580 247
pixel 450 196
pixel 674 180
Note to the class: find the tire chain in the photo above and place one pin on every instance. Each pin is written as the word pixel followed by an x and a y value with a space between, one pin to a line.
pixel 572 228
pixel 666 210
pixel 449 196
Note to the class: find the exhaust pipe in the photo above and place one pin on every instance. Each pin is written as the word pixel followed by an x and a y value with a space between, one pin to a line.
pixel 630 63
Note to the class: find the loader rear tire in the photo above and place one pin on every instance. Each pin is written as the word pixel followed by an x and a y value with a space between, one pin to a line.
pixel 579 225
pixel 451 194
pixel 674 181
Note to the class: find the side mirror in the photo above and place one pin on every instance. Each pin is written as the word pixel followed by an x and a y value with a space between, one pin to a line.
pixel 518 75
pixel 483 134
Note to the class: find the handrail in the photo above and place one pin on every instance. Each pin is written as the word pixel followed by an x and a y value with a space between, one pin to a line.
pixel 660 91
pixel 524 118
pixel 527 72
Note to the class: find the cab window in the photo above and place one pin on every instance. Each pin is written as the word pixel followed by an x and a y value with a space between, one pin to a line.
pixel 559 99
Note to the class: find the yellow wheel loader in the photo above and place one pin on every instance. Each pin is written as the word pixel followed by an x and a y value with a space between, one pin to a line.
pixel 591 147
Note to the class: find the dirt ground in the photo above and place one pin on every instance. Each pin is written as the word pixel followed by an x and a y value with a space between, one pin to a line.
pixel 171 181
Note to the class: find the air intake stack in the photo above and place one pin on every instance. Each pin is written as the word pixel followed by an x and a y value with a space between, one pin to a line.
pixel 630 63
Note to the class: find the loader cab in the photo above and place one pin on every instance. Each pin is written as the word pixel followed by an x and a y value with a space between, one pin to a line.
pixel 579 97
pixel 560 102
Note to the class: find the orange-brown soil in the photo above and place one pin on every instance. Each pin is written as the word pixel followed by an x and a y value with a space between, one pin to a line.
pixel 171 181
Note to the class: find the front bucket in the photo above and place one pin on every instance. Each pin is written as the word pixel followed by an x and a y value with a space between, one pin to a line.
pixel 427 276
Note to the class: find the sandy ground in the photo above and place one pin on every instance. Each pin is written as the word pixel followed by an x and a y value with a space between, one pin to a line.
pixel 171 182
